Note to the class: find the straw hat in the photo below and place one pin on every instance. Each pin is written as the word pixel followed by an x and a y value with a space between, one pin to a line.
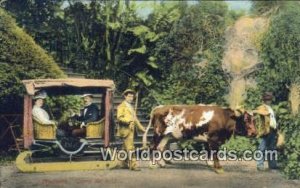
pixel 128 91
pixel 86 95
pixel 40 95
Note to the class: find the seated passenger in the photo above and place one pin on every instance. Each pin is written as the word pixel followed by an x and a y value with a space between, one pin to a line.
pixel 90 113
pixel 38 113
pixel 41 115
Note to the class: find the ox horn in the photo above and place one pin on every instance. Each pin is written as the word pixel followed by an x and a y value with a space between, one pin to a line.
pixel 239 110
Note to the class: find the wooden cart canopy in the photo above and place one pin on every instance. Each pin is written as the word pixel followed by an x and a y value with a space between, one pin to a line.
pixel 34 85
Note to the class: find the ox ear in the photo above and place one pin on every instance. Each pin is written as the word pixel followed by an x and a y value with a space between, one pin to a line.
pixel 231 113
pixel 237 113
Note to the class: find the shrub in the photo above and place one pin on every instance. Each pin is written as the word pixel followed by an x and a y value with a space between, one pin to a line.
pixel 20 58
pixel 290 126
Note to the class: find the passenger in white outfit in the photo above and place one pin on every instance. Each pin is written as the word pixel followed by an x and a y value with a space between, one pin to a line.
pixel 38 113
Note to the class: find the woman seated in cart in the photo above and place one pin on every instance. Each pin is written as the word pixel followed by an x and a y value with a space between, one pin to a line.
pixel 38 113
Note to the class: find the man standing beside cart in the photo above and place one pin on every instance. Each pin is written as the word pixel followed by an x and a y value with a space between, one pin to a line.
pixel 127 119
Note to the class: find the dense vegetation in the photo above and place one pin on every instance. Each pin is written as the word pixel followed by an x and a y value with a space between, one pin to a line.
pixel 171 56
pixel 280 53
pixel 175 48
pixel 20 58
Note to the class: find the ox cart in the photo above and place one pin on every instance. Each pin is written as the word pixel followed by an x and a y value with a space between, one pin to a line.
pixel 45 152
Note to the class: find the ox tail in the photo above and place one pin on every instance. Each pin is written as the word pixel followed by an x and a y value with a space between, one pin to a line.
pixel 147 129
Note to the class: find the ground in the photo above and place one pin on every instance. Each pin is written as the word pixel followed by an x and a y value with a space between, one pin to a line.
pixel 179 174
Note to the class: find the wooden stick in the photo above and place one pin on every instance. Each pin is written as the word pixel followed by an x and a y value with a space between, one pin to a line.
pixel 136 102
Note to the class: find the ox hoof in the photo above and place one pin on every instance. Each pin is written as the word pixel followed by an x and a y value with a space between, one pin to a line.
pixel 153 166
pixel 209 163
pixel 162 163
pixel 169 162
pixel 219 170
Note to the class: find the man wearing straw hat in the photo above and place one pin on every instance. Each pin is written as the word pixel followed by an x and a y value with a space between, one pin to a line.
pixel 268 132
pixel 127 120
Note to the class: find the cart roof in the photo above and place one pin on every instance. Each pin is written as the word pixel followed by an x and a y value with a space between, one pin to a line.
pixel 34 85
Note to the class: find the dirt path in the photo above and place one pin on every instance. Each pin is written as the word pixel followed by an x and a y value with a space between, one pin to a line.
pixel 181 174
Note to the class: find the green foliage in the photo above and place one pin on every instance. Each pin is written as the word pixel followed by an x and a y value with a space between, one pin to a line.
pixel 108 40
pixel 292 168
pixel 240 144
pixel 212 85
pixel 280 52
pixel 253 99
pixel 179 88
pixel 280 55
pixel 20 58
pixel 290 126
pixel 234 15
pixel 172 56
pixel 237 144
pixel 141 50
pixel 189 58
pixel 62 106
pixel 267 7
pixel 7 158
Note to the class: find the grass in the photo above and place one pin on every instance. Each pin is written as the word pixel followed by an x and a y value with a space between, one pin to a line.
pixel 7 158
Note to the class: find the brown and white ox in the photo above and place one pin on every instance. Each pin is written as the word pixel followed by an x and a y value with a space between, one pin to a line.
pixel 212 125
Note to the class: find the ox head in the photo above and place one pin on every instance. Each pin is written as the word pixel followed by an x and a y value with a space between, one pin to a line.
pixel 245 124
